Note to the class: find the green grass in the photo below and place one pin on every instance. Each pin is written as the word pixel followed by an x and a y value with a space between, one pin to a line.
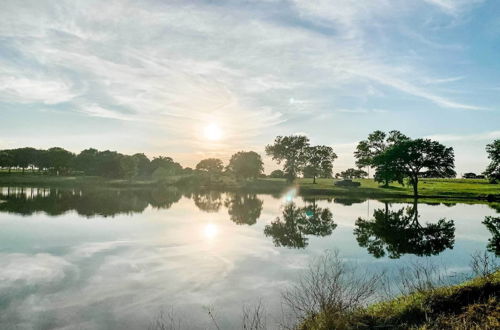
pixel 430 188
pixel 471 305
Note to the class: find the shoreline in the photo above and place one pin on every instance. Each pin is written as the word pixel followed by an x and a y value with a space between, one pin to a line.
pixel 450 189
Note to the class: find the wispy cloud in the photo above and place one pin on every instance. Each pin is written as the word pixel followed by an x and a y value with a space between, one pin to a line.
pixel 250 67
pixel 466 137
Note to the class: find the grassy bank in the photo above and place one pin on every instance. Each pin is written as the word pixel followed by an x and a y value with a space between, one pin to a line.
pixel 449 189
pixel 428 188
pixel 472 305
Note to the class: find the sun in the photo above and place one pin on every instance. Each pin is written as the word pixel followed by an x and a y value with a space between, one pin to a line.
pixel 212 132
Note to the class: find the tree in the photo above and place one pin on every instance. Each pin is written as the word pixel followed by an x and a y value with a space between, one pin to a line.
pixel 24 157
pixel 400 232
pixel 320 161
pixel 58 159
pixel 6 159
pixel 86 161
pixel 376 144
pixel 292 152
pixel 143 165
pixel 246 164
pixel 413 159
pixel 277 174
pixel 352 173
pixel 493 170
pixel 211 166
pixel 167 163
pixel 128 166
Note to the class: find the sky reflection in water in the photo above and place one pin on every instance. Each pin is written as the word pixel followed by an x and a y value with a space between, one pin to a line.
pixel 114 259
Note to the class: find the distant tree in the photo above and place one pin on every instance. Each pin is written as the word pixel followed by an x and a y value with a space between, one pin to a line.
pixel 59 159
pixel 109 164
pixel 292 152
pixel 377 143
pixel 171 167
pixel 277 174
pixel 320 161
pixel 352 173
pixel 143 165
pixel 493 170
pixel 86 161
pixel 128 166
pixel 469 175
pixel 6 159
pixel 24 157
pixel 212 166
pixel 246 165
pixel 416 158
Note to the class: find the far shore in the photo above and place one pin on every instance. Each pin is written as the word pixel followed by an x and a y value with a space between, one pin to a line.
pixel 441 189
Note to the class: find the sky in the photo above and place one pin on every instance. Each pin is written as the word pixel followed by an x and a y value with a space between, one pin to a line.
pixel 151 76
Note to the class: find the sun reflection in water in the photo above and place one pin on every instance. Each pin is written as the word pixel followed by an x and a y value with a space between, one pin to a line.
pixel 289 195
pixel 210 231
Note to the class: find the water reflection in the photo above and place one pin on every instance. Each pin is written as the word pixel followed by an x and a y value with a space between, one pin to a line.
pixel 243 208
pixel 86 202
pixel 208 201
pixel 400 232
pixel 295 223
pixel 493 226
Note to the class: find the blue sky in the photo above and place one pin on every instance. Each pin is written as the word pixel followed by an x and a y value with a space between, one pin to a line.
pixel 149 76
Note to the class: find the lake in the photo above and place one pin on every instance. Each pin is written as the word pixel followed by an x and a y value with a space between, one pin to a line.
pixel 117 259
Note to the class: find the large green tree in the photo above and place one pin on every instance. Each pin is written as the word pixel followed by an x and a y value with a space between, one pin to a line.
pixel 320 161
pixel 417 158
pixel 212 166
pixel 493 170
pixel 59 159
pixel 246 164
pixel 292 152
pixel 376 144
pixel 6 159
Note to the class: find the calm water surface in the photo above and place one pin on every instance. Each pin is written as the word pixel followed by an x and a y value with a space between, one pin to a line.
pixel 114 259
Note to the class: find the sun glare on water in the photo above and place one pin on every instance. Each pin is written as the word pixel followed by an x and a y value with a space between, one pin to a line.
pixel 212 132
pixel 210 231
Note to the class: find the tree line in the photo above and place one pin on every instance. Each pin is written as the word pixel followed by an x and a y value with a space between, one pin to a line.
pixel 112 164
pixel 394 156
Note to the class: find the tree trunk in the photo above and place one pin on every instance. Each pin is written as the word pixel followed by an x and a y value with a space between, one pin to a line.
pixel 415 186
pixel 314 179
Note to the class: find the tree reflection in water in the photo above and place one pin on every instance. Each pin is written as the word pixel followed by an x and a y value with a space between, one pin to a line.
pixel 295 223
pixel 86 202
pixel 208 201
pixel 243 208
pixel 493 226
pixel 400 232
